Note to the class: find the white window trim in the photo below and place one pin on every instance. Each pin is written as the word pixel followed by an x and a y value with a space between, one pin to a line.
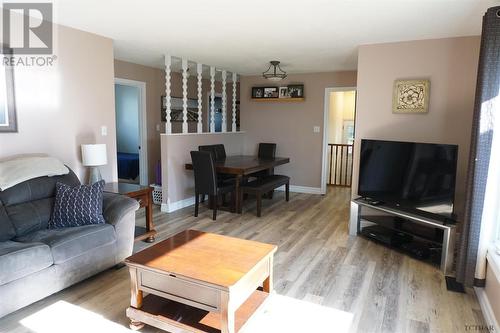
pixel 493 258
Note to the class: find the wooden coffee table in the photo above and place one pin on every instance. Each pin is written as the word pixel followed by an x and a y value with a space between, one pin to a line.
pixel 199 282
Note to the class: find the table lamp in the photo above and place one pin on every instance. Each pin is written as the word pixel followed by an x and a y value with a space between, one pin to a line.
pixel 93 156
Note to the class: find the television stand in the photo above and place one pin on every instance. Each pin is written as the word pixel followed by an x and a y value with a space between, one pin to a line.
pixel 404 224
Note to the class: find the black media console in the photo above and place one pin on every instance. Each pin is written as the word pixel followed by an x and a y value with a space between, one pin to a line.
pixel 419 236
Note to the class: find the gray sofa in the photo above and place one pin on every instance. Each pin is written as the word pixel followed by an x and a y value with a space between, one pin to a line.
pixel 36 262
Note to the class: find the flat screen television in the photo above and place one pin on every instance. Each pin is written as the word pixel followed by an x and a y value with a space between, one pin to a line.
pixel 417 177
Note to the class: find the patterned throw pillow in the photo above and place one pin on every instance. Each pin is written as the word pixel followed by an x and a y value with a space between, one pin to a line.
pixel 77 206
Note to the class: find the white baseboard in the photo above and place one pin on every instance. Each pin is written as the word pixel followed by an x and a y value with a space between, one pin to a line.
pixel 489 315
pixel 172 207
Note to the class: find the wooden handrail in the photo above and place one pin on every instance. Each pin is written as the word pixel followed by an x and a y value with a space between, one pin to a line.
pixel 340 166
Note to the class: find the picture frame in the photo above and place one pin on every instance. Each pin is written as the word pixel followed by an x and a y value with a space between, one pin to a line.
pixel 8 113
pixel 296 91
pixel 257 92
pixel 271 92
pixel 283 92
pixel 411 96
pixel 176 107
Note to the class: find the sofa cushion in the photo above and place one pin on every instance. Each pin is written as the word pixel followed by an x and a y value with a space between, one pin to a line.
pixel 68 243
pixel 18 260
pixel 7 230
pixel 30 216
pixel 77 206
pixel 29 205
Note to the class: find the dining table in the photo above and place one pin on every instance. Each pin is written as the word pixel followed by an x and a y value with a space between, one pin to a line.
pixel 243 165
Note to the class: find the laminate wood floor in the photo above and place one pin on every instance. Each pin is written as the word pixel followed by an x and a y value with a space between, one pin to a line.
pixel 317 261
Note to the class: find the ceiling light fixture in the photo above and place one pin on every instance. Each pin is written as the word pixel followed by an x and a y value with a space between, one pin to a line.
pixel 276 73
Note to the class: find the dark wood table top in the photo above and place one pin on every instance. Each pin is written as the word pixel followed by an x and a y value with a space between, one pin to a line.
pixel 126 188
pixel 245 165
pixel 208 257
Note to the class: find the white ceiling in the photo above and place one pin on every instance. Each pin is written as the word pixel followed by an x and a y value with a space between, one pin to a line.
pixel 242 36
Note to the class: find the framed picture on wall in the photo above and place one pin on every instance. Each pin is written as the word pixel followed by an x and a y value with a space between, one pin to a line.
pixel 257 92
pixel 296 90
pixel 8 119
pixel 176 107
pixel 411 96
pixel 271 92
pixel 283 92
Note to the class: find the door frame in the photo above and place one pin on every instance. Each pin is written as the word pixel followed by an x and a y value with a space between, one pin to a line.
pixel 326 112
pixel 143 129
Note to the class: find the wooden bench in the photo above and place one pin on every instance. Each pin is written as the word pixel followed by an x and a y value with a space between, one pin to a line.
pixel 264 185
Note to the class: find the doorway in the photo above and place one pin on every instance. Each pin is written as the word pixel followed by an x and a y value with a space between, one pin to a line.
pixel 217 113
pixel 131 133
pixel 338 137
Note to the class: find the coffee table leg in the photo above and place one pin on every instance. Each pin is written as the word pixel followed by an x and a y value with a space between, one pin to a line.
pixel 227 314
pixel 135 297
pixel 268 283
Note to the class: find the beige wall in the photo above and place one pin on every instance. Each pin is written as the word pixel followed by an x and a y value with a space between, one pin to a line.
pixel 451 66
pixel 61 107
pixel 155 88
pixel 290 124
pixel 178 183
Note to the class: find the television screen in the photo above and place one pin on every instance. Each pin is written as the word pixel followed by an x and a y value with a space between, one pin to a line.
pixel 412 176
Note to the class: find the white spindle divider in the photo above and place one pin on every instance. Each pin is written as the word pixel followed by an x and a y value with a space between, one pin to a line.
pixel 212 99
pixel 184 96
pixel 233 123
pixel 199 69
pixel 168 105
pixel 224 102
pixel 185 76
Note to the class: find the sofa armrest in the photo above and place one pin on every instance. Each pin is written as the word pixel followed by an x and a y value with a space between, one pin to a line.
pixel 116 206
pixel 119 211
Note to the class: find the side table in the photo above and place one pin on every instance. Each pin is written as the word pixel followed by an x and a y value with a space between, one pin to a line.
pixel 143 194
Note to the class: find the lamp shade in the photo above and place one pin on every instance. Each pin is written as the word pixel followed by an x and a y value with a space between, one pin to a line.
pixel 94 155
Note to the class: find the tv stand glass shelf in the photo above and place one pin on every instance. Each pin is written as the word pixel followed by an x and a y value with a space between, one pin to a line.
pixel 406 231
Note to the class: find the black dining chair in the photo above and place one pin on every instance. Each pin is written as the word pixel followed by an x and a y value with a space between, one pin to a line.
pixel 220 152
pixel 205 182
pixel 209 148
pixel 266 151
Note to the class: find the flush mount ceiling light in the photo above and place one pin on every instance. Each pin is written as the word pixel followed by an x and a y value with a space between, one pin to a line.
pixel 276 73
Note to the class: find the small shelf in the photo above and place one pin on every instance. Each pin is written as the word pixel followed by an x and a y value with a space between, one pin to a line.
pixel 290 99
pixel 173 316
pixel 429 252
pixel 431 235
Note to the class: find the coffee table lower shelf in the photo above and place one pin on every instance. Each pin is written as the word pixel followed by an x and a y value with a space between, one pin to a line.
pixel 175 317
